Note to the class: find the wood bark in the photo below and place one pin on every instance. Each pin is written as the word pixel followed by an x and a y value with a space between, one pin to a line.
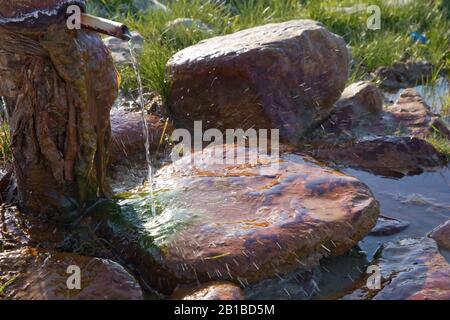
pixel 59 87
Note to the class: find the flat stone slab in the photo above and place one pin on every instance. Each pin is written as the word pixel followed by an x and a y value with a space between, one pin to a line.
pixel 234 223
pixel 387 226
pixel 35 274
pixel 390 141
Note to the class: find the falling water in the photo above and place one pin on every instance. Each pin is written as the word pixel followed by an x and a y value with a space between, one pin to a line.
pixel 145 124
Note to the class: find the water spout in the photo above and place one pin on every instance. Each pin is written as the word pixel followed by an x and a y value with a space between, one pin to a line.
pixel 105 26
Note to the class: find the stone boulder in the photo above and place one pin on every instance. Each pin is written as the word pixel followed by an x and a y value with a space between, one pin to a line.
pixel 390 141
pixel 128 142
pixel 240 223
pixel 362 98
pixel 35 274
pixel 442 235
pixel 411 269
pixel 286 76
pixel 210 291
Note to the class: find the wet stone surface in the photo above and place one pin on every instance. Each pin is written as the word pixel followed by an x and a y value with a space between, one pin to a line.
pixel 411 269
pixel 442 235
pixel 387 226
pixel 285 76
pixel 209 291
pixel 230 222
pixel 128 142
pixel 389 142
pixel 37 274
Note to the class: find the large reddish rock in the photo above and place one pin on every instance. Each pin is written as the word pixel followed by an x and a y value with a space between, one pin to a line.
pixel 285 76
pixel 390 141
pixel 411 269
pixel 442 235
pixel 240 223
pixel 210 291
pixel 35 274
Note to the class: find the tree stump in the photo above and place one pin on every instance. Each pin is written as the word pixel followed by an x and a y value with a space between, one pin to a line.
pixel 59 86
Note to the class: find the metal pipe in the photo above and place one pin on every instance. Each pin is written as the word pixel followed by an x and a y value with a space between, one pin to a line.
pixel 105 26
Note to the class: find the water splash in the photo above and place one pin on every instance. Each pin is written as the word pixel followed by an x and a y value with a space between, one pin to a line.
pixel 135 63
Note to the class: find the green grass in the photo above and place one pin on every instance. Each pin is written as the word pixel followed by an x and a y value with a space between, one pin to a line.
pixel 441 144
pixel 5 143
pixel 371 48
pixel 445 105
pixel 6 284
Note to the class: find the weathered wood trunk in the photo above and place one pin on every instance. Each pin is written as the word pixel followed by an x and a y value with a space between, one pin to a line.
pixel 59 87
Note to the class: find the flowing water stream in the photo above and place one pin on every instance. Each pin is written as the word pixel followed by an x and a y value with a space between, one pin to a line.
pixel 144 123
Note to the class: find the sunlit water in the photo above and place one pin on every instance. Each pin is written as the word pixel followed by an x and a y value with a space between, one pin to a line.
pixel 144 122
pixel 423 201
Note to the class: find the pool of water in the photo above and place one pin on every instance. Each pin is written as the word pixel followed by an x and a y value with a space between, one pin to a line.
pixel 423 201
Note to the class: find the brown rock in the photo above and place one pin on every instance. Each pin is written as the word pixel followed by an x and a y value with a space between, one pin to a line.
pixel 363 97
pixel 360 104
pixel 411 115
pixel 128 142
pixel 411 269
pixel 210 291
pixel 232 222
pixel 285 76
pixel 390 142
pixel 404 74
pixel 18 230
pixel 442 235
pixel 389 156
pixel 34 274
pixel 387 226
